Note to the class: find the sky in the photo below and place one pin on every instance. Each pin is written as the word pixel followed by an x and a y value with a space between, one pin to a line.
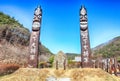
pixel 60 28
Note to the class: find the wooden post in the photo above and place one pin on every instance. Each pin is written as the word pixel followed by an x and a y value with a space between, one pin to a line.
pixel 119 67
pixel 115 66
pixel 34 39
pixel 107 65
pixel 85 42
pixel 111 67
pixel 64 64
pixel 94 64
pixel 102 65
pixel 57 65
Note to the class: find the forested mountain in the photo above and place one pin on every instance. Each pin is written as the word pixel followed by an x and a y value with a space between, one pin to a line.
pixel 12 31
pixel 71 56
pixel 14 41
pixel 108 49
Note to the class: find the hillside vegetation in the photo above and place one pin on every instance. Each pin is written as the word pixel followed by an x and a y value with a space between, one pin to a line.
pixel 71 56
pixel 14 41
pixel 12 31
pixel 109 49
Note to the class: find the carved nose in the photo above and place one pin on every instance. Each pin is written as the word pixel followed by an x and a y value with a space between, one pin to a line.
pixel 84 18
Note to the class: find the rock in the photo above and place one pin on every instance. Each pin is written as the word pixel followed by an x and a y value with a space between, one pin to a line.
pixel 51 78
pixel 64 79
pixel 61 60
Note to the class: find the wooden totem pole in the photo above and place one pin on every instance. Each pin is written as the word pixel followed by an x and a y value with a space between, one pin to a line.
pixel 85 43
pixel 34 39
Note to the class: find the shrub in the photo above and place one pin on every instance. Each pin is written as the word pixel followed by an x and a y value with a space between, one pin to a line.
pixel 8 68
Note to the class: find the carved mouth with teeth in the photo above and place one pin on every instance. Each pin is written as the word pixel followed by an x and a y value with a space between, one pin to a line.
pixel 83 25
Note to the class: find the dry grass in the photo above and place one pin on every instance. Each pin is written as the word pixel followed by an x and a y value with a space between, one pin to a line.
pixel 15 54
pixel 27 74
pixel 32 74
pixel 59 73
pixel 88 74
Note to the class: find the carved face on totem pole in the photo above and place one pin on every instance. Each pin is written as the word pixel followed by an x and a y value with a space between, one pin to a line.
pixel 85 46
pixel 34 39
pixel 37 19
pixel 83 19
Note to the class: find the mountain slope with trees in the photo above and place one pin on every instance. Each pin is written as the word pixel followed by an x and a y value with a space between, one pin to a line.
pixel 109 49
pixel 14 42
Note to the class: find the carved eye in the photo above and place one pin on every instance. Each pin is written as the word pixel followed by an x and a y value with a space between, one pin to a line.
pixel 81 16
pixel 39 16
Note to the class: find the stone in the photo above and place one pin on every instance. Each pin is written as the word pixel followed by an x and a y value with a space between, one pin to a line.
pixel 52 78
pixel 63 79
pixel 61 60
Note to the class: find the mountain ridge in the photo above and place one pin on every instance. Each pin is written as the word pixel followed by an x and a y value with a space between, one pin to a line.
pixel 108 49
